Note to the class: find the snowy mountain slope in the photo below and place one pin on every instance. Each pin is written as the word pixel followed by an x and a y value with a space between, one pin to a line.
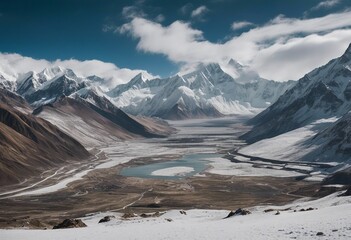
pixel 81 122
pixel 329 219
pixel 209 91
pixel 28 144
pixel 13 100
pixel 336 138
pixel 5 83
pixel 92 119
pixel 102 105
pixel 323 93
pixel 50 90
pixel 325 140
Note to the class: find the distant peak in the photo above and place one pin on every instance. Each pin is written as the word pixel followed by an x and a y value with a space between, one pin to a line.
pixel 54 69
pixel 212 65
pixel 139 78
pixel 348 50
pixel 234 63
pixel 346 57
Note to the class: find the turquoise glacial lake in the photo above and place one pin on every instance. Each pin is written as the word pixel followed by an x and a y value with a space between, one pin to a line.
pixel 199 162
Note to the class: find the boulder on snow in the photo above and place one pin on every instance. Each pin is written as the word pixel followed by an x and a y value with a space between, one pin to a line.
pixel 129 215
pixel 70 223
pixel 145 215
pixel 239 211
pixel 105 219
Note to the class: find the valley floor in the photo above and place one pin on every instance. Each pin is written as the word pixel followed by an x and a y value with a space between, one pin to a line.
pixel 100 187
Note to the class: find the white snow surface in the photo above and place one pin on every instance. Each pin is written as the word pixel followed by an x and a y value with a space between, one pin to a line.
pixel 223 166
pixel 290 146
pixel 332 217
pixel 173 171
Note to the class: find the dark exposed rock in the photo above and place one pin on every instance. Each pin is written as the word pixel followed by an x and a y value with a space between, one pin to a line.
pixel 153 205
pixel 129 215
pixel 239 211
pixel 105 219
pixel 320 234
pixel 182 212
pixel 277 213
pixel 145 215
pixel 340 177
pixel 70 223
pixel 347 193
pixel 307 209
pixel 278 210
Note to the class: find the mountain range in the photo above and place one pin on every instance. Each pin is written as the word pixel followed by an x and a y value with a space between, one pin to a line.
pixel 210 91
pixel 56 105
pixel 206 92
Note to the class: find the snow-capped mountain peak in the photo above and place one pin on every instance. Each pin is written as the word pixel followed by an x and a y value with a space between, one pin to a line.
pixel 241 73
pixel 138 81
pixel 56 72
pixel 207 91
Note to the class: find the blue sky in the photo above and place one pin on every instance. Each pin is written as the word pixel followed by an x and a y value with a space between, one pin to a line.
pixel 164 37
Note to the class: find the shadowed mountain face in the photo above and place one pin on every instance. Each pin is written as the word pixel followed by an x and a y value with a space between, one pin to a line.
pixel 322 93
pixel 14 100
pixel 29 145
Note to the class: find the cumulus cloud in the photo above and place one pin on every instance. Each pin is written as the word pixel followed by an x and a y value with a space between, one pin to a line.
pixel 199 12
pixel 178 41
pixel 240 25
pixel 13 65
pixel 326 4
pixel 297 56
pixel 262 47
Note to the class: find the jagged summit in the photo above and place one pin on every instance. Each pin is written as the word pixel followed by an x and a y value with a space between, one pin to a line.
pixel 56 71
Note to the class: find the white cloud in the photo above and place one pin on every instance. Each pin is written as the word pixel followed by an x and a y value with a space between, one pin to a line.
pixel 298 56
pixel 240 25
pixel 326 4
pixel 130 12
pixel 259 47
pixel 160 18
pixel 14 64
pixel 199 12
pixel 178 41
pixel 186 8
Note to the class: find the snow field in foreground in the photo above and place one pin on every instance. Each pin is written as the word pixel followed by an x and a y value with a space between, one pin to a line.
pixel 332 217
